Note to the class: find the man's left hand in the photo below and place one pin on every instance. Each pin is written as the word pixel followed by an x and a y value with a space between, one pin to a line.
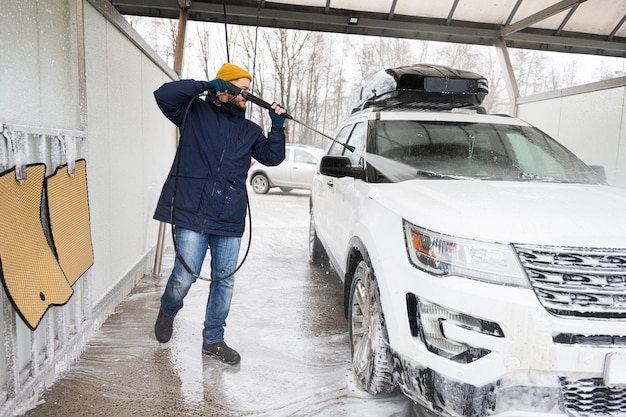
pixel 275 114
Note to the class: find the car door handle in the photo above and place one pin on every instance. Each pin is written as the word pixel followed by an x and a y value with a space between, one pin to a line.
pixel 330 183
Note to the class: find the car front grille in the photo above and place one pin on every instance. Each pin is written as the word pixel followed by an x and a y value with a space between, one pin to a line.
pixel 583 282
pixel 590 397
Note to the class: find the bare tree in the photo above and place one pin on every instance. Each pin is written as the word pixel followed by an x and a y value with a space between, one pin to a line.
pixel 170 31
pixel 285 51
pixel 566 77
pixel 252 56
pixel 377 54
pixel 497 101
pixel 459 56
pixel 318 76
pixel 605 72
pixel 204 50
pixel 529 67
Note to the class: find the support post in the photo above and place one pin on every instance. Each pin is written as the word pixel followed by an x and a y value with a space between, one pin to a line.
pixel 158 256
pixel 179 54
pixel 509 76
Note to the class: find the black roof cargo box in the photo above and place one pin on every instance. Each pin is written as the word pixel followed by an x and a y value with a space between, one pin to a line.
pixel 423 86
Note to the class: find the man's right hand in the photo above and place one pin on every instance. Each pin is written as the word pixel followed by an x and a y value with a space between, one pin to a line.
pixel 218 85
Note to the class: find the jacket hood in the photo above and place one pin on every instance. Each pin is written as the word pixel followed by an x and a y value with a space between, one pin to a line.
pixel 512 212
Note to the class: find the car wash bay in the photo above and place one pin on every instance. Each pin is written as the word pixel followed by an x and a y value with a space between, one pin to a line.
pixel 123 355
pixel 286 321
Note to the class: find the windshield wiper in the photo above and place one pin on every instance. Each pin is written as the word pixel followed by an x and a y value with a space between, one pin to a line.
pixel 435 175
pixel 525 176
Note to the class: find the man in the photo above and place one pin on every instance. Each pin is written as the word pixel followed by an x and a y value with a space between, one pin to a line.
pixel 204 196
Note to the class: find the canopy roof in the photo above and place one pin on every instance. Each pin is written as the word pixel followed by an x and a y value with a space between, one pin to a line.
pixel 596 27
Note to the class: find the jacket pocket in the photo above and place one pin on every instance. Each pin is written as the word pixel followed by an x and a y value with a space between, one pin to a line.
pixel 234 207
pixel 188 190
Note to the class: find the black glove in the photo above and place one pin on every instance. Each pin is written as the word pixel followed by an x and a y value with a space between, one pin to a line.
pixel 218 85
pixel 277 119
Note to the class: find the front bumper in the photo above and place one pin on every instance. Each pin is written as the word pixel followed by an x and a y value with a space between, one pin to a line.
pixel 523 360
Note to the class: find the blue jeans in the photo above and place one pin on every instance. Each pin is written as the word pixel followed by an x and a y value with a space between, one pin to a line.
pixel 193 246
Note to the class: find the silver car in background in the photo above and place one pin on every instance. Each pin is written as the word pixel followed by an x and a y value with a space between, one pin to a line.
pixel 295 172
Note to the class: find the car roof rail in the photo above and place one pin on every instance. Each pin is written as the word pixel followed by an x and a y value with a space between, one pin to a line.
pixel 425 106
pixel 477 109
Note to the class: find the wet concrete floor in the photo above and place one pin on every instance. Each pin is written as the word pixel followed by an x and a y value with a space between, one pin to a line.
pixel 286 321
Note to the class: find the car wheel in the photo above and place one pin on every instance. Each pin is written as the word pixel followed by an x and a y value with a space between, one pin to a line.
pixel 285 189
pixel 260 184
pixel 372 362
pixel 316 250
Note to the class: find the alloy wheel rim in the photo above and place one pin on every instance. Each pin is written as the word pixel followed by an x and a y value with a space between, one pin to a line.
pixel 362 329
pixel 259 184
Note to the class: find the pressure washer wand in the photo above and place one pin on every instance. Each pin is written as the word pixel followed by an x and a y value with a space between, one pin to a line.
pixel 260 102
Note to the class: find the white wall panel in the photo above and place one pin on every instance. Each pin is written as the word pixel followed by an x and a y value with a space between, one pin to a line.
pixel 590 122
pixel 132 145
pixel 590 127
pixel 40 69
pixel 103 97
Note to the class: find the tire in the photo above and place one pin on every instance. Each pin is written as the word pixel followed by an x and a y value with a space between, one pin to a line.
pixel 260 183
pixel 372 362
pixel 317 254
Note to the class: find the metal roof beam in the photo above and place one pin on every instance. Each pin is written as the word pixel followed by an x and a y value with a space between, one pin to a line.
pixel 567 18
pixel 569 44
pixel 539 16
pixel 617 27
pixel 452 10
pixel 378 24
pixel 392 10
pixel 512 14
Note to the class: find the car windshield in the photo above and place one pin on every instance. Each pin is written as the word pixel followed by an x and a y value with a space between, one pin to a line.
pixel 406 149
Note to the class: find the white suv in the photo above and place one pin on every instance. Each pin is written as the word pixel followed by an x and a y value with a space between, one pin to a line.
pixel 484 265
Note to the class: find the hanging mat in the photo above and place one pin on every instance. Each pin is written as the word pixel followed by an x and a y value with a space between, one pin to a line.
pixel 68 208
pixel 31 275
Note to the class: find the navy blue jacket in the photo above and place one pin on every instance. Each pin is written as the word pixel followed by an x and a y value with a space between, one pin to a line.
pixel 214 153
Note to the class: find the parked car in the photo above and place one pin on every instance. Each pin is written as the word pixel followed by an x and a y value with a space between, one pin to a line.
pixel 295 172
pixel 483 264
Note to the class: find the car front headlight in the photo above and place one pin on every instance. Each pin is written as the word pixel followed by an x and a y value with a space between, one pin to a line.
pixel 442 255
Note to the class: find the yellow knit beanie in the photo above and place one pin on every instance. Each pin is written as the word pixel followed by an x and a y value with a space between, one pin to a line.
pixel 229 72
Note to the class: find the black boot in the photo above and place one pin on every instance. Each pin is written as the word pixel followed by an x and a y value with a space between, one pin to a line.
pixel 163 327
pixel 222 352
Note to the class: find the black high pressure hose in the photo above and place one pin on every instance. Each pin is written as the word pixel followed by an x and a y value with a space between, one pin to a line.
pixel 173 208
pixel 235 91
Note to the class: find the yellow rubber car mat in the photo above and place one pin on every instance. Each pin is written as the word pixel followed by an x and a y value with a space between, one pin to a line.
pixel 68 208
pixel 30 273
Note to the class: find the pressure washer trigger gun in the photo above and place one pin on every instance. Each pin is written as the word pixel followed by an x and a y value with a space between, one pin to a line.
pixel 254 99
pixel 260 102
pixel 233 89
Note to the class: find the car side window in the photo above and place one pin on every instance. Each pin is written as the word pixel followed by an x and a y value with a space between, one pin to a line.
pixel 342 136
pixel 357 139
pixel 303 157
pixel 287 155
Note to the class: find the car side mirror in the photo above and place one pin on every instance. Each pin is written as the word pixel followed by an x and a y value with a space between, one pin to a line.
pixel 340 166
